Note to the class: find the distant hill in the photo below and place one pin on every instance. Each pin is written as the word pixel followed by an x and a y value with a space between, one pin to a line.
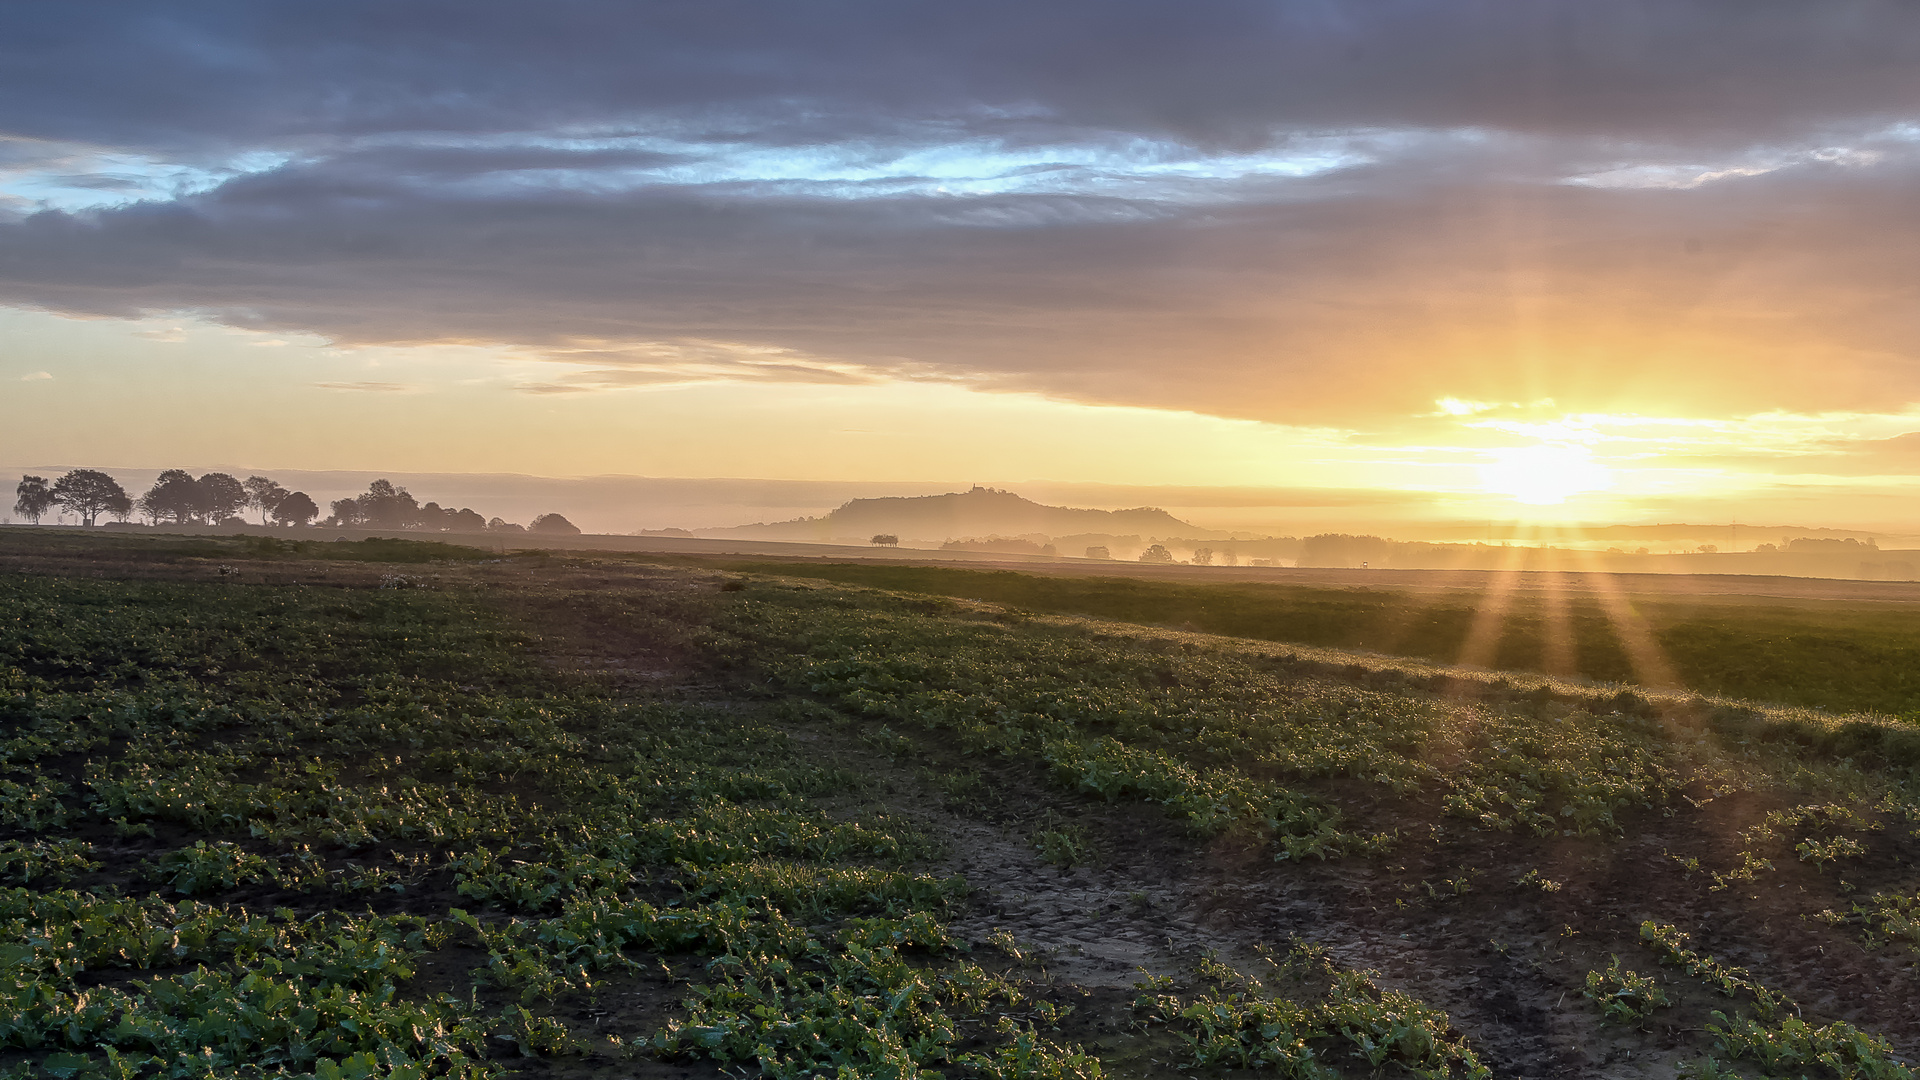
pixel 980 512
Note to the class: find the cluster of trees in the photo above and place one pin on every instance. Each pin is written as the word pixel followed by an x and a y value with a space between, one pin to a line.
pixel 179 498
pixel 176 498
pixel 86 492
pixel 1846 546
pixel 1002 545
pixel 385 506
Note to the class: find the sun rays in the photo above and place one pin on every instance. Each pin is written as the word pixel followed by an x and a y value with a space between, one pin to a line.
pixel 1522 590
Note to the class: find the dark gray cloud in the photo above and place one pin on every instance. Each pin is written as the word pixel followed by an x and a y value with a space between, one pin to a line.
pixel 132 73
pixel 1300 211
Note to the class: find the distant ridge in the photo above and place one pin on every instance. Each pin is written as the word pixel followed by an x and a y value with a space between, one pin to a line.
pixel 960 514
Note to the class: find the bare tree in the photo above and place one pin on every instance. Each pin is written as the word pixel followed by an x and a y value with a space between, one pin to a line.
pixel 32 499
pixel 87 492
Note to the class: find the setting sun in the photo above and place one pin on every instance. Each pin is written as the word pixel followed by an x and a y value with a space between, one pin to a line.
pixel 1544 475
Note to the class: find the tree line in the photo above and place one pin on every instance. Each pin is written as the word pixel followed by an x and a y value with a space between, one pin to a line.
pixel 179 498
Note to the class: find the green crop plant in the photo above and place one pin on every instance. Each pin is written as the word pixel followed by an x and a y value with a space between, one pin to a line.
pixel 1845 659
pixel 1002 939
pixel 1673 946
pixel 1832 849
pixel 887 741
pixel 205 868
pixel 1824 827
pixel 961 789
pixel 1026 1055
pixel 1750 868
pixel 1624 996
pixel 1534 879
pixel 1132 718
pixel 1326 1013
pixel 817 892
pixel 349 753
pixel 1064 844
pixel 281 730
pixel 54 861
pixel 1774 1035
pixel 532 1035
pixel 1884 919
pixel 1789 1046
pixel 1065 848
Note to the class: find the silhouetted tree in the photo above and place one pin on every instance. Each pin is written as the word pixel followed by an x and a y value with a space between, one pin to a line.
pixel 344 513
pixel 1099 553
pixel 1341 549
pixel 497 525
pixel 553 524
pixel 1846 545
pixel 446 519
pixel 121 507
pixel 886 540
pixel 295 509
pixel 1203 556
pixel 221 497
pixel 263 494
pixel 87 492
pixel 32 499
pixel 1156 554
pixel 174 496
pixel 385 506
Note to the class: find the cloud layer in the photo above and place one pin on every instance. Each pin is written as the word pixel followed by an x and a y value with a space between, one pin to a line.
pixel 1306 212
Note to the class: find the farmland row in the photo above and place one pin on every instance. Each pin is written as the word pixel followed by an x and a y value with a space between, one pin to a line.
pixel 281 830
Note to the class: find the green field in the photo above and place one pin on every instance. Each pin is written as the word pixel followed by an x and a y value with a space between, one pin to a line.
pixel 1850 657
pixel 264 813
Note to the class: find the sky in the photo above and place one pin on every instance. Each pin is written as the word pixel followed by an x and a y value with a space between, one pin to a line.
pixel 1630 261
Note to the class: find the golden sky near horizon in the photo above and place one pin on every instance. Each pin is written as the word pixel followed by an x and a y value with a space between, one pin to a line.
pixel 460 409
pixel 1544 261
